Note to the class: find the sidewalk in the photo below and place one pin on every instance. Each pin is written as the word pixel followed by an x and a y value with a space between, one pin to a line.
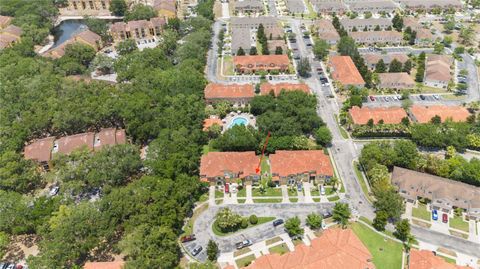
pixel 285 194
pixel 308 195
pixel 249 199
pixel 211 195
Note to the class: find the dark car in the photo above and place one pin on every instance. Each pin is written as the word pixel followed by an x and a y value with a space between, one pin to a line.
pixel 277 222
pixel 326 215
pixel 197 250
pixel 187 238
pixel 372 98
pixel 422 97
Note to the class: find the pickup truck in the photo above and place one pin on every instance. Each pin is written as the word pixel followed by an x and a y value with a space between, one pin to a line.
pixel 243 244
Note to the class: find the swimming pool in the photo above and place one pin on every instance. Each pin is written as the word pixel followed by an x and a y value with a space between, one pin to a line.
pixel 238 121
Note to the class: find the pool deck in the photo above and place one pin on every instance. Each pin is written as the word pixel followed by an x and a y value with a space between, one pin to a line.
pixel 229 120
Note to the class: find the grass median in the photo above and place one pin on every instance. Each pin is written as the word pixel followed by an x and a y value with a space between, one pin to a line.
pixel 216 230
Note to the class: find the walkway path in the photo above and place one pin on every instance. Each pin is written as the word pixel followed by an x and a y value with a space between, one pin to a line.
pixel 285 194
pixel 249 199
pixel 308 195
pixel 211 195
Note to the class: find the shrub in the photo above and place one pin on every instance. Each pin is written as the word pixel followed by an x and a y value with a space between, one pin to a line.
pixel 253 219
pixel 244 223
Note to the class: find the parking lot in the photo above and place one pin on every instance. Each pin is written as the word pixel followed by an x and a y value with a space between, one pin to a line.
pixel 396 99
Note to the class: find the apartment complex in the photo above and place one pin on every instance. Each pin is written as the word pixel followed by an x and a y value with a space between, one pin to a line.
pixel 86 8
pixel 86 37
pixel 226 167
pixel 429 5
pixel 137 30
pixel 377 37
pixel 329 6
pixel 365 24
pixel 371 59
pixel 296 6
pixel 276 89
pixel 437 70
pixel 254 63
pixel 424 114
pixel 373 6
pixel 237 94
pixel 326 31
pixel 444 194
pixel 43 150
pixel 344 71
pixel 388 115
pixel 248 6
pixel 290 167
pixel 9 35
pixel 399 80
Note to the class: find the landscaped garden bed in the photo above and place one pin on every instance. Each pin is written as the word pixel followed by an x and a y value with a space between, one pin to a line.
pixel 228 222
pixel 280 249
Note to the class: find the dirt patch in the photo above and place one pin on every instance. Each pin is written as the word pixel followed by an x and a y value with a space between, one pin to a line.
pixel 462 235
pixel 217 9
pixel 421 223
pixel 447 251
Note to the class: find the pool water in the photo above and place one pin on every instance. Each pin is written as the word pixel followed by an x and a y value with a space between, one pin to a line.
pixel 239 121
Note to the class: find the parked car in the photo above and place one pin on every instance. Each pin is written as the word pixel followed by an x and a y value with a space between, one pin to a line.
pixel 187 238
pixel 372 98
pixel 444 218
pixel 227 188
pixel 322 190
pixel 197 250
pixel 243 244
pixel 436 96
pixel 395 98
pixel 434 214
pixel 277 222
pixel 54 190
pixel 299 186
pixel 326 215
pixel 422 97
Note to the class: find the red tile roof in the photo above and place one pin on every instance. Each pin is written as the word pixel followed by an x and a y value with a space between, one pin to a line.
pixel 266 88
pixel 207 123
pixel 216 164
pixel 264 60
pixel 219 91
pixel 109 136
pixel 40 150
pixel 334 249
pixel 285 163
pixel 103 265
pixel 424 114
pixel 389 115
pixel 70 143
pixel 345 71
pixel 424 259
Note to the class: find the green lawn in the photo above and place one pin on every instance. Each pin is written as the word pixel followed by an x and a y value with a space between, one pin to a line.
pixel 297 241
pixel 333 198
pixel 208 148
pixel 343 132
pixel 241 252
pixel 264 165
pixel 316 200
pixel 245 261
pixel 268 200
pixel 362 182
pixel 280 249
pixel 293 199
pixel 188 228
pixel 268 192
pixel 218 194
pixel 329 190
pixel 241 200
pixel 242 192
pixel 447 259
pixel 421 212
pixel 204 197
pixel 314 191
pixel 459 223
pixel 273 240
pixel 386 253
pixel 261 220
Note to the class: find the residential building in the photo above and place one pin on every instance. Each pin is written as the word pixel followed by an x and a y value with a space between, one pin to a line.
pixel 444 194
pixel 86 37
pixel 344 71
pixel 237 94
pixel 424 37
pixel 365 24
pixel 295 6
pixel 138 30
pixel 86 8
pixel 426 259
pixel 389 115
pixel 373 6
pixel 371 59
pixel 437 70
pixel 43 150
pixel 267 88
pixel 329 6
pixel 5 21
pixel 254 63
pixel 241 38
pixel 212 120
pixel 412 22
pixel 166 9
pixel 248 6
pixel 290 167
pixel 253 22
pixel 377 37
pixel 326 31
pixel 104 265
pixel 418 5
pixel 424 114
pixel 401 80
pixel 9 36
pixel 335 249
pixel 219 168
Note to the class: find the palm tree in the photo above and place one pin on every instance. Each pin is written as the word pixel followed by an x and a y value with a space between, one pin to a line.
pixel 334 182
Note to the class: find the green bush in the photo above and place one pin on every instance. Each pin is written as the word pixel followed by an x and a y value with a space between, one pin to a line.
pixel 253 219
pixel 244 224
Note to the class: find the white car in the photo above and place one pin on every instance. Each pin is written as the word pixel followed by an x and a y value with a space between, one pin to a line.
pixel 54 190
pixel 322 190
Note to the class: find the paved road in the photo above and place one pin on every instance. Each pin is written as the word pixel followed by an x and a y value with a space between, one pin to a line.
pixel 344 152
pixel 405 50
pixel 212 56
pixel 203 225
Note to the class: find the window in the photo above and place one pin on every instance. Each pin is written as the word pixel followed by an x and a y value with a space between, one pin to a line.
pixel 84 6
pixel 91 5
pixel 103 5
pixel 75 5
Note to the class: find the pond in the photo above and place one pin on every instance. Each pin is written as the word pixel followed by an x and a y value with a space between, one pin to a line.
pixel 66 29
